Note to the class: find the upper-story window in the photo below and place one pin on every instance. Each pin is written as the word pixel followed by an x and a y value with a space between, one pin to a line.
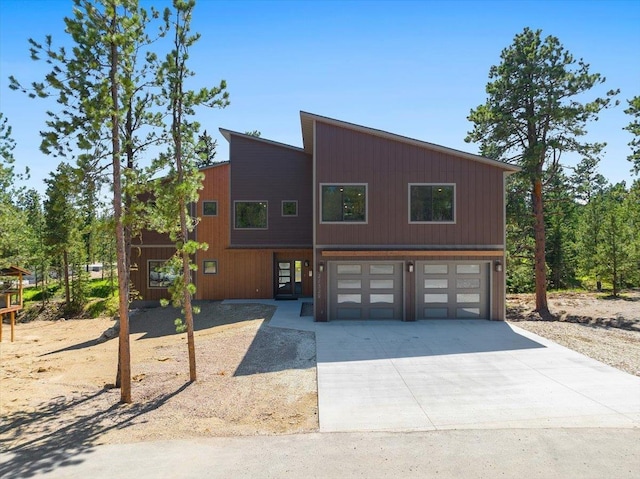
pixel 209 208
pixel 343 203
pixel 251 215
pixel 432 203
pixel 290 208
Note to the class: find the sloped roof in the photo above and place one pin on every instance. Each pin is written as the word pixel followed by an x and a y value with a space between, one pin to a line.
pixel 13 271
pixel 307 120
pixel 227 134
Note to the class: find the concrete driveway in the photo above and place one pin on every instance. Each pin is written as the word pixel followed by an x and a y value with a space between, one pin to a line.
pixel 457 374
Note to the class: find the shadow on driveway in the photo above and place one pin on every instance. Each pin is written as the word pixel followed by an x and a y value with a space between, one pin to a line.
pixel 360 341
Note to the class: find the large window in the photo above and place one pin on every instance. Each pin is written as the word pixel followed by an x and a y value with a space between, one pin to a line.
pixel 431 203
pixel 344 203
pixel 161 275
pixel 251 214
pixel 210 208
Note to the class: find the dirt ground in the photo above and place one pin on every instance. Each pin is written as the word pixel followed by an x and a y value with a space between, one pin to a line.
pixel 252 379
pixel 601 327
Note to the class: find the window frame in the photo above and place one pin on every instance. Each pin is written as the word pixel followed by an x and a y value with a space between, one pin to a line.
pixel 343 222
pixel 235 205
pixel 204 267
pixel 295 202
pixel 163 262
pixel 454 205
pixel 209 201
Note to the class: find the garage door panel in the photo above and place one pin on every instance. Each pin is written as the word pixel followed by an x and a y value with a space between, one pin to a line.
pixel 366 290
pixel 452 290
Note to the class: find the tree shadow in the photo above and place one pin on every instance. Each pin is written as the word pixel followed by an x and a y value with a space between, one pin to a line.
pixel 64 444
pixel 159 322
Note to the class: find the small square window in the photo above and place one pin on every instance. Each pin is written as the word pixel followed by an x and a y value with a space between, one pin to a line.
pixel 210 208
pixel 210 267
pixel 290 208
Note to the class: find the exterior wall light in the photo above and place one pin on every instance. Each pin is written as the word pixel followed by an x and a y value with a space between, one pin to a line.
pixel 306 263
pixel 321 266
pixel 410 267
pixel 498 266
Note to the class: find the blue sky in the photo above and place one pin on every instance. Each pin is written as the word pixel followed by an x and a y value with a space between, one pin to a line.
pixel 412 68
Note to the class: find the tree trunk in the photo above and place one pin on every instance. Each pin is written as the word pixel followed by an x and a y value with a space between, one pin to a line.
pixel 124 353
pixel 540 265
pixel 188 310
pixel 65 265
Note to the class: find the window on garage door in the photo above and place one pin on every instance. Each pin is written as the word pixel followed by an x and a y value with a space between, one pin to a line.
pixel 448 290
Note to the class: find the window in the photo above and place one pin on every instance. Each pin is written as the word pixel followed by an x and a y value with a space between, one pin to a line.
pixel 344 203
pixel 210 266
pixel 209 208
pixel 290 208
pixel 161 275
pixel 430 203
pixel 251 214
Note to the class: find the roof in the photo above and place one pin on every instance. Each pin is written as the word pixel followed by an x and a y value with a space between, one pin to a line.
pixel 13 271
pixel 307 120
pixel 227 134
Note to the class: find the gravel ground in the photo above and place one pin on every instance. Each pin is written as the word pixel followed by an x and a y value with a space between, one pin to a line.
pixel 252 380
pixel 601 327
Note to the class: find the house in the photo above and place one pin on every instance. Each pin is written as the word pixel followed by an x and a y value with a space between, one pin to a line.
pixel 370 224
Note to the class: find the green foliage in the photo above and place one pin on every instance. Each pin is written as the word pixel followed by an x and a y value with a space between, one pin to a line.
pixel 101 288
pixel 35 294
pixel 634 129
pixel 205 150
pixel 534 112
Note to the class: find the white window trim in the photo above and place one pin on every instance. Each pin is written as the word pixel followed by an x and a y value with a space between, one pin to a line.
pixel 366 204
pixel 455 205
pixel 282 208
pixel 209 201
pixel 250 201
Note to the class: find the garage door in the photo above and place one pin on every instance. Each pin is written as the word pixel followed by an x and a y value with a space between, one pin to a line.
pixel 452 290
pixel 365 290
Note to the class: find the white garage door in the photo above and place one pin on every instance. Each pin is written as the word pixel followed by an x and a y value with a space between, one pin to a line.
pixel 449 290
pixel 365 290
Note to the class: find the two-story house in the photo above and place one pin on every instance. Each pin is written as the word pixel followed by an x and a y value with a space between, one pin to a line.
pixel 370 224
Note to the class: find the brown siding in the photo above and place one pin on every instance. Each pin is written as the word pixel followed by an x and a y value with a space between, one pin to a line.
pixel 140 274
pixel 388 166
pixel 266 172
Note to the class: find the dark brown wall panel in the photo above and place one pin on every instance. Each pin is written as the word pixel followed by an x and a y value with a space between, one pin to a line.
pixel 140 274
pixel 388 166
pixel 262 171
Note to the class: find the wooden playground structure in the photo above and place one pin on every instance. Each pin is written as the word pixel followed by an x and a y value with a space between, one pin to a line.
pixel 11 295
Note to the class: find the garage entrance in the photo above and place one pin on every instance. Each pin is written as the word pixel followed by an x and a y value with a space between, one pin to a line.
pixel 365 290
pixel 450 290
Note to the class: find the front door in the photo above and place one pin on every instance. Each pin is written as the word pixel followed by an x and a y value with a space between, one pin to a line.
pixel 288 278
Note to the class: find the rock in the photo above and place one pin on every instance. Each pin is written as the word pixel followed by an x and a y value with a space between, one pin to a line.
pixel 110 333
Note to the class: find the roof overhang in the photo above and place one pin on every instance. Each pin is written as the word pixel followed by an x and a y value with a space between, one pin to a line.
pixel 307 120
pixel 13 271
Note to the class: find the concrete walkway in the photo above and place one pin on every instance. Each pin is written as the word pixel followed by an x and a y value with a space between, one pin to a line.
pixel 513 453
pixel 457 374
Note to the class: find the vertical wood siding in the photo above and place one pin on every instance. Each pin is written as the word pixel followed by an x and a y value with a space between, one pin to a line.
pixel 388 166
pixel 265 172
